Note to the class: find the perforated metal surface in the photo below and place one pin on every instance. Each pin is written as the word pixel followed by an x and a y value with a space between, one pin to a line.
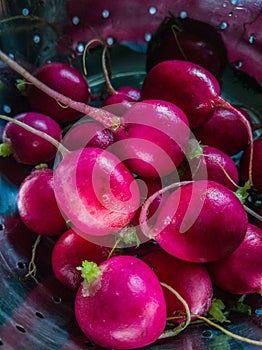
pixel 39 314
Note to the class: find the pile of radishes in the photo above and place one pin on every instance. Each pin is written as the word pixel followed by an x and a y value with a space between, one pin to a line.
pixel 148 207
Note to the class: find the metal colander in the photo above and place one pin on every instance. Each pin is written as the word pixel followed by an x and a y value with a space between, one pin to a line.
pixel 37 313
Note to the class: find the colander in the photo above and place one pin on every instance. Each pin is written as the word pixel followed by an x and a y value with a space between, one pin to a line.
pixel 37 313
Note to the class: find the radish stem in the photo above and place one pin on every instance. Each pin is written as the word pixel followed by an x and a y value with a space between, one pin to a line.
pixel 144 210
pixel 230 334
pixel 102 116
pixel 182 326
pixel 220 102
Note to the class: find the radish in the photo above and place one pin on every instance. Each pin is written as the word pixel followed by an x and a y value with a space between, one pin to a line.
pixel 190 40
pixel 153 138
pixel 126 315
pixel 88 133
pixel 66 80
pixel 205 162
pixel 256 167
pixel 190 280
pixel 37 205
pixel 241 271
pixel 26 147
pixel 69 251
pixel 200 222
pixel 192 88
pixel 224 131
pixel 163 128
pixel 95 191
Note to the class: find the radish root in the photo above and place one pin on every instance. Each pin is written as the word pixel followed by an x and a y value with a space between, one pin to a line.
pixel 32 269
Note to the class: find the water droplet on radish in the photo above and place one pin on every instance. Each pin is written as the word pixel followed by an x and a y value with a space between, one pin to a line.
pixel 105 13
pixel 152 10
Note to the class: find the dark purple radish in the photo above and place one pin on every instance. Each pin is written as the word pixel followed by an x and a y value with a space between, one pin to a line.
pixel 37 205
pixel 192 88
pixel 210 163
pixel 200 222
pixel 88 133
pixel 26 147
pixel 126 315
pixel 256 166
pixel 65 79
pixel 191 280
pixel 190 40
pixel 152 139
pixel 95 191
pixel 224 131
pixel 241 271
pixel 69 251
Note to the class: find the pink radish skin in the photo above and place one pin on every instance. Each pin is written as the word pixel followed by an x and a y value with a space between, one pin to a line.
pixel 69 251
pixel 223 131
pixel 37 204
pixel 153 138
pixel 256 168
pixel 187 85
pixel 191 280
pixel 212 165
pixel 199 222
pixel 29 148
pixel 95 191
pixel 126 315
pixel 65 79
pixel 241 271
pixel 88 133
pixel 123 94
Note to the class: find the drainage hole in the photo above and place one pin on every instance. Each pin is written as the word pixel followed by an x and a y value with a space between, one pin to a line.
pixel 39 314
pixel 20 328
pixel 57 299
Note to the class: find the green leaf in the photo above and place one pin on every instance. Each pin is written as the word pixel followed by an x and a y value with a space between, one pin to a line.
pixel 217 310
pixel 240 308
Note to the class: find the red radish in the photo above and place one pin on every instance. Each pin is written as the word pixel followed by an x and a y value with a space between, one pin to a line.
pixel 95 191
pixel 69 251
pixel 126 315
pixel 192 88
pixel 210 163
pixel 224 131
pixel 26 147
pixel 256 167
pixel 168 122
pixel 37 204
pixel 200 222
pixel 153 138
pixel 88 133
pixel 191 280
pixel 241 271
pixel 64 79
